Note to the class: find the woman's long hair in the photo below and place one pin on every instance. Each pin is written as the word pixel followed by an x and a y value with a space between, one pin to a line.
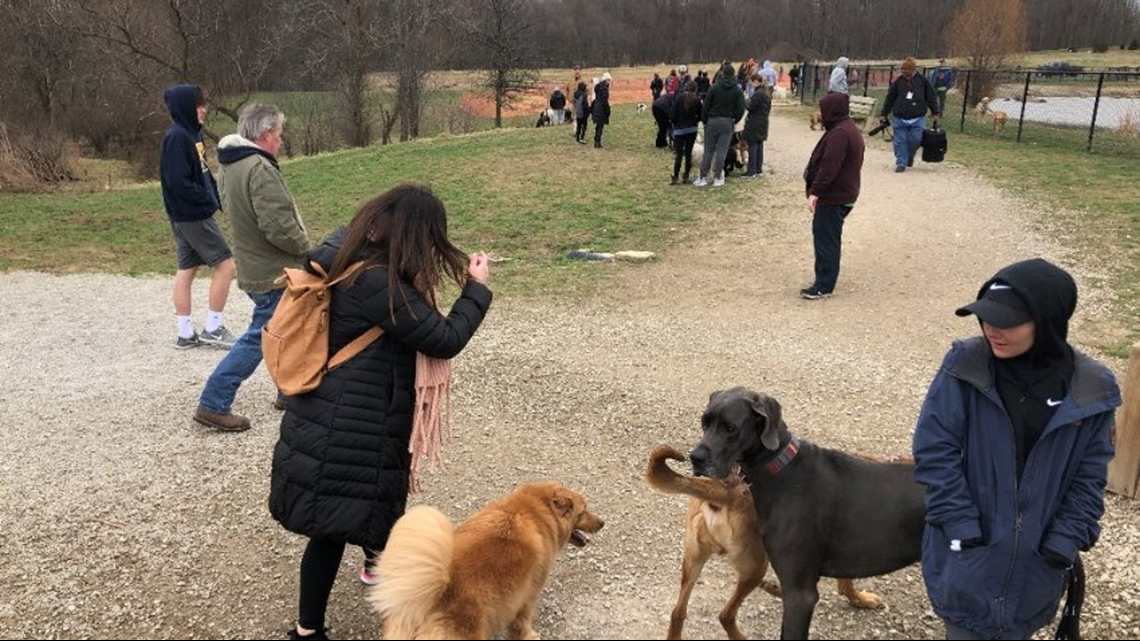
pixel 405 230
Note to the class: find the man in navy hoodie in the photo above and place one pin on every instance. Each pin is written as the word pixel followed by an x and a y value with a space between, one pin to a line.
pixel 191 198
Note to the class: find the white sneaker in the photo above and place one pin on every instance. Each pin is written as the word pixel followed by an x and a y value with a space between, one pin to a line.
pixel 719 182
pixel 700 182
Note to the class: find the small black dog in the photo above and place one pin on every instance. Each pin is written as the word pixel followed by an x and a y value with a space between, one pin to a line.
pixel 543 119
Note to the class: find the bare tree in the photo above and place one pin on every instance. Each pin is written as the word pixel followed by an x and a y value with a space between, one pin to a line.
pixel 504 36
pixel 988 33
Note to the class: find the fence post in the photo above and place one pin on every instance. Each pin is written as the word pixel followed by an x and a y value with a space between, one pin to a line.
pixel 866 79
pixel 965 101
pixel 1124 470
pixel 1024 97
pixel 1096 107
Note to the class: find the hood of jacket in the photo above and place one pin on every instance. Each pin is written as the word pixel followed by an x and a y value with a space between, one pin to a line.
pixel 842 62
pixel 182 103
pixel 1050 293
pixel 234 147
pixel 834 108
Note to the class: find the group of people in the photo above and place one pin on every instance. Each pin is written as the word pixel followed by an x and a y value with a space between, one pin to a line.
pixel 359 423
pixel 681 111
pixel 1012 442
pixel 583 107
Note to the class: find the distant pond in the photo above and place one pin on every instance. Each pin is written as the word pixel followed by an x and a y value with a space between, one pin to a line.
pixel 1072 111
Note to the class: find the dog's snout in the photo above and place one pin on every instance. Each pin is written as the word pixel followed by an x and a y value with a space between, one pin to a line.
pixel 699 458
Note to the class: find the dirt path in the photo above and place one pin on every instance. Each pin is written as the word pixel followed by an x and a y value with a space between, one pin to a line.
pixel 122 518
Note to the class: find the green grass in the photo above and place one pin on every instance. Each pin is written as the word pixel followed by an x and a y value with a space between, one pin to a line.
pixel 526 194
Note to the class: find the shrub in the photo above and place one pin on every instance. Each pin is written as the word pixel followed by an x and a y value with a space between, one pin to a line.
pixel 1134 45
pixel 34 155
pixel 1100 47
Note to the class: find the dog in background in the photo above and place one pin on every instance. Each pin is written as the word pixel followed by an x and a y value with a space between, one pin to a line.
pixel 544 119
pixel 998 116
pixel 816 118
pixel 721 520
pixel 485 577
pixel 640 108
pixel 822 512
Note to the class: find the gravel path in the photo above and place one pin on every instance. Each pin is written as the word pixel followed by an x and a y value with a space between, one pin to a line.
pixel 122 519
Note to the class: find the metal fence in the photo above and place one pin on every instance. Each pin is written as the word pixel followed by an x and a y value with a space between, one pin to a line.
pixel 1098 111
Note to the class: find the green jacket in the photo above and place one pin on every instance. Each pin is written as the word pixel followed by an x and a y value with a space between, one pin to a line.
pixel 725 100
pixel 268 234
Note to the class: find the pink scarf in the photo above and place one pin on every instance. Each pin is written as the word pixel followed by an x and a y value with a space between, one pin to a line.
pixel 431 428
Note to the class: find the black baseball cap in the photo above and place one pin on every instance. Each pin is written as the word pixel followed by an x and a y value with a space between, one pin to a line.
pixel 1000 306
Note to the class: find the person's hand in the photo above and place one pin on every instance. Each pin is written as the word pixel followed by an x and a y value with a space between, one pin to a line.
pixel 479 268
pixel 811 201
pixel 884 121
pixel 935 118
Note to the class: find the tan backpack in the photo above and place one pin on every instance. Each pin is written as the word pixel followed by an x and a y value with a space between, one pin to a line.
pixel 295 341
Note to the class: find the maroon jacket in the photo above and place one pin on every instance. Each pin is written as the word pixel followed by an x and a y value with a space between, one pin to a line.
pixel 832 173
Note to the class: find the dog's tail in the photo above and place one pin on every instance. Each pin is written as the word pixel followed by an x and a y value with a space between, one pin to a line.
pixel 1070 625
pixel 663 478
pixel 413 570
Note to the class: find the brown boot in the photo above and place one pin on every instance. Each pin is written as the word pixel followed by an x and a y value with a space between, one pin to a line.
pixel 227 422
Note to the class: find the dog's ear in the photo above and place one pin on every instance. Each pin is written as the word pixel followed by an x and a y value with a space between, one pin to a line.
pixel 769 408
pixel 562 503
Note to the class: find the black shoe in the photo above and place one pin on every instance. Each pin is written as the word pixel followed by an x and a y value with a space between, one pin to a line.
pixel 673 181
pixel 813 293
pixel 899 169
pixel 280 403
pixel 597 145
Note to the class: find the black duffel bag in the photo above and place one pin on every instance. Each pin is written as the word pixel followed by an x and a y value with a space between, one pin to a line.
pixel 933 144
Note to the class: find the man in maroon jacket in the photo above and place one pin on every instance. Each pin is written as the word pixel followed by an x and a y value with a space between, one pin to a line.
pixel 832 186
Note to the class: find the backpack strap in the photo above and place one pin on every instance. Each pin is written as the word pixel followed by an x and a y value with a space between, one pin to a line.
pixel 354 347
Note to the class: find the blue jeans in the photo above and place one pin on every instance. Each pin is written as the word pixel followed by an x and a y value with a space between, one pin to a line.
pixel 908 138
pixel 242 359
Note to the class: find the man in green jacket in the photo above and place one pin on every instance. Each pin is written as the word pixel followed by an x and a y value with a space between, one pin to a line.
pixel 268 236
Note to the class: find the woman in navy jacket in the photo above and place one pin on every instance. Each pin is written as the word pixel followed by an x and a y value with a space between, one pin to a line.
pixel 1012 445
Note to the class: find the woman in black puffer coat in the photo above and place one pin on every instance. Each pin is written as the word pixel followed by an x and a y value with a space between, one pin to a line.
pixel 756 126
pixel 341 466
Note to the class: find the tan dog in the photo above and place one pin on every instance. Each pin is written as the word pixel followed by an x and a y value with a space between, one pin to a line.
pixel 816 118
pixel 1000 117
pixel 982 107
pixel 484 578
pixel 721 519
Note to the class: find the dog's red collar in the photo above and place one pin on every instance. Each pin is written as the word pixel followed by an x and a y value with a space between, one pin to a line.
pixel 784 458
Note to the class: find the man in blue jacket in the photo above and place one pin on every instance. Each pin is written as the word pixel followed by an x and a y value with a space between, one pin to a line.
pixel 191 198
pixel 1012 445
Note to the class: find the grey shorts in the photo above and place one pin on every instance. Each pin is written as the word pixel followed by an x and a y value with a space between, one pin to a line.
pixel 199 242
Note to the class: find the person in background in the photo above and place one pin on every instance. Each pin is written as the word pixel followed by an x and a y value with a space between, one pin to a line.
pixel 581 112
pixel 703 85
pixel 656 86
pixel 838 81
pixel 190 197
pixel 943 80
pixel 722 110
pixel 769 74
pixel 1012 445
pixel 686 118
pixel 672 82
pixel 662 108
pixel 601 108
pixel 756 126
pixel 832 180
pixel 342 468
pixel 908 99
pixel 557 106
pixel 268 237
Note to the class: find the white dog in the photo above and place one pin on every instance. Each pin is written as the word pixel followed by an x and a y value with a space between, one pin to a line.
pixel 780 93
pixel 640 108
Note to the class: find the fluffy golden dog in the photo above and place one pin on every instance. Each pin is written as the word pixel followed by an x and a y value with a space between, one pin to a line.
pixel 721 519
pixel 816 118
pixel 484 577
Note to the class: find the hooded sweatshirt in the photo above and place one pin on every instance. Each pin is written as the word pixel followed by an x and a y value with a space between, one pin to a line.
pixel 838 82
pixel 1030 384
pixel 188 188
pixel 725 100
pixel 833 172
pixel 769 73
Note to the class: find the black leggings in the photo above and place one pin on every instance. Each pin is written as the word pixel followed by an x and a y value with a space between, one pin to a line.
pixel 580 128
pixel 319 566
pixel 683 149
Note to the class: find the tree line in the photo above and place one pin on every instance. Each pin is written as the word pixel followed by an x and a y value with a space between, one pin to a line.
pixel 92 71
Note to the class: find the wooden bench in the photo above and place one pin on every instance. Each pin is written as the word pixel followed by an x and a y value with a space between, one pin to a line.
pixel 863 108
